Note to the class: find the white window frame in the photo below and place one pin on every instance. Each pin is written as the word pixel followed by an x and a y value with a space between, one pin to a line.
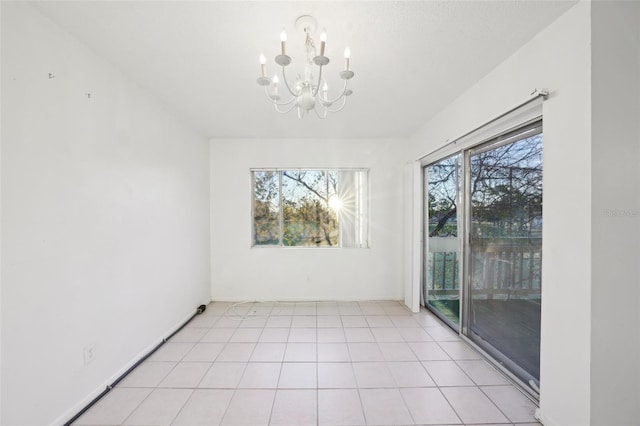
pixel 361 229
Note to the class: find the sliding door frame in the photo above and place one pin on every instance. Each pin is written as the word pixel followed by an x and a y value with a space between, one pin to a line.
pixel 505 364
pixel 489 134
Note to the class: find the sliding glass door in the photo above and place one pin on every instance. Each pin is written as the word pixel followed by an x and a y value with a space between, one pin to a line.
pixel 441 287
pixel 505 250
pixel 483 246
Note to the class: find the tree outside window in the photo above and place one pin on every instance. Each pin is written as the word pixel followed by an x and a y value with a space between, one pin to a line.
pixel 310 208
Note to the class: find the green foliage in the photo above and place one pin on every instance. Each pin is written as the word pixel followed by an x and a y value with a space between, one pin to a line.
pixel 306 217
pixel 450 308
pixel 309 222
pixel 443 271
pixel 266 217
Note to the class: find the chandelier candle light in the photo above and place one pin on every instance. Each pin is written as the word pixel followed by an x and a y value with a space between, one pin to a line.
pixel 306 93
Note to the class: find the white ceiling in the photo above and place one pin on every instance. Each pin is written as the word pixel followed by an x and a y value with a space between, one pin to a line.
pixel 410 58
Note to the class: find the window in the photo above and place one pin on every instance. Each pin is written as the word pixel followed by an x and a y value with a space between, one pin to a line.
pixel 310 208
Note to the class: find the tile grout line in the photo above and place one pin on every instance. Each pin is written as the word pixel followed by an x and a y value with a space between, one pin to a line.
pixel 348 311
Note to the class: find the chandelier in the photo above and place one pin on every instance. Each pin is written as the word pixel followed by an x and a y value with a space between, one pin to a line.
pixel 305 93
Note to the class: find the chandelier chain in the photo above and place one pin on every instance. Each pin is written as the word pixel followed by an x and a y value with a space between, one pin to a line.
pixel 309 47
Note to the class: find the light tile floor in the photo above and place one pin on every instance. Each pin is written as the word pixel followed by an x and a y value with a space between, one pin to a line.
pixel 318 363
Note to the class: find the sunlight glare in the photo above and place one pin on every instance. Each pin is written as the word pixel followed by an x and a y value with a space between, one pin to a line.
pixel 335 203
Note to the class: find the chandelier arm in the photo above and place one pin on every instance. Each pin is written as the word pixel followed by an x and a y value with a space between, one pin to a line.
pixel 341 95
pixel 324 111
pixel 340 108
pixel 286 83
pixel 266 92
pixel 284 111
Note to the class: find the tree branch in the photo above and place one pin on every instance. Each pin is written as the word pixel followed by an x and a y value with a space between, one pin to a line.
pixel 306 185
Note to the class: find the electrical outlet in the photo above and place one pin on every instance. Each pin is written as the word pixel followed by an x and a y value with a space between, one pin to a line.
pixel 89 354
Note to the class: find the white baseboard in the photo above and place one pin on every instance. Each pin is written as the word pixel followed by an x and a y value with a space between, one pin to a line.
pixel 298 299
pixel 540 417
pixel 66 416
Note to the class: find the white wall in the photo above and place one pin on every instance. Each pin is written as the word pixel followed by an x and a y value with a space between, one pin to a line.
pixel 615 213
pixel 240 272
pixel 558 59
pixel 105 221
